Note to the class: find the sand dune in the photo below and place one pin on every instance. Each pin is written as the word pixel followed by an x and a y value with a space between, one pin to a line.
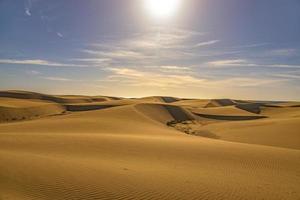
pixel 220 102
pixel 274 132
pixel 21 109
pixel 159 99
pixel 250 106
pixel 165 113
pixel 127 150
pixel 226 112
pixel 192 103
pixel 56 98
pixel 86 106
pixel 230 117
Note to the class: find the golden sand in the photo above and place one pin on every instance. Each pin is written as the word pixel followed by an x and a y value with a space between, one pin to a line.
pixel 78 147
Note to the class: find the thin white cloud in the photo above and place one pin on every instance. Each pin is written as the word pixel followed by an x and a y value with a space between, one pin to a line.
pixel 245 63
pixel 157 44
pixel 124 56
pixel 33 72
pixel 92 52
pixel 27 12
pixel 133 77
pixel 282 66
pixel 127 72
pixel 28 5
pixel 246 82
pixel 221 63
pixel 117 54
pixel 201 44
pixel 289 76
pixel 57 79
pixel 59 34
pixel 175 67
pixel 282 52
pixel 180 70
pixel 37 62
pixel 91 60
pixel 129 54
pixel 218 53
pixel 252 45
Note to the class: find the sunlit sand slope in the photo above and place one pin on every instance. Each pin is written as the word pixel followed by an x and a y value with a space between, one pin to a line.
pixel 107 166
pixel 127 151
pixel 274 126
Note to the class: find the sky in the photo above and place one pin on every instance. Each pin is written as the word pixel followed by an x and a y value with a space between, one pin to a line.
pixel 242 49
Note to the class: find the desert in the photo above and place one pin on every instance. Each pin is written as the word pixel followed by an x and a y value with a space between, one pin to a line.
pixel 147 148
pixel 149 100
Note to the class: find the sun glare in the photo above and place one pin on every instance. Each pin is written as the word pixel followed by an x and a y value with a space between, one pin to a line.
pixel 162 8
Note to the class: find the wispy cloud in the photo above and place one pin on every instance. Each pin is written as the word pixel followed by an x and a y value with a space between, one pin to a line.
pixel 201 44
pixel 138 78
pixel 155 45
pixel 252 45
pixel 59 34
pixel 127 72
pixel 33 72
pixel 282 52
pixel 221 63
pixel 92 61
pixel 133 77
pixel 246 82
pixel 57 79
pixel 245 63
pixel 175 67
pixel 28 5
pixel 289 76
pixel 117 54
pixel 282 66
pixel 27 12
pixel 38 62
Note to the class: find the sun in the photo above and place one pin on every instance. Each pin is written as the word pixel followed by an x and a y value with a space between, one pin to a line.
pixel 162 8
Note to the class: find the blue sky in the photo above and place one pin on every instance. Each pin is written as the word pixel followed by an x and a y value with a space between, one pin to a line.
pixel 247 49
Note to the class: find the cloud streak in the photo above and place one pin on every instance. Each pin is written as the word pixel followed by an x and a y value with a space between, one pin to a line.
pixel 145 48
pixel 59 34
pixel 245 63
pixel 33 72
pixel 282 52
pixel 38 62
pixel 201 44
pixel 57 79
pixel 133 77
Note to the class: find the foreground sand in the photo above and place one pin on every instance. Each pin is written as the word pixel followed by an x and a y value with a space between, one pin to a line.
pixel 123 149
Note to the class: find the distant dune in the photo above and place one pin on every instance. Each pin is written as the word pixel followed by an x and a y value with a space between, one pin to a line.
pixel 12 109
pixel 62 147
